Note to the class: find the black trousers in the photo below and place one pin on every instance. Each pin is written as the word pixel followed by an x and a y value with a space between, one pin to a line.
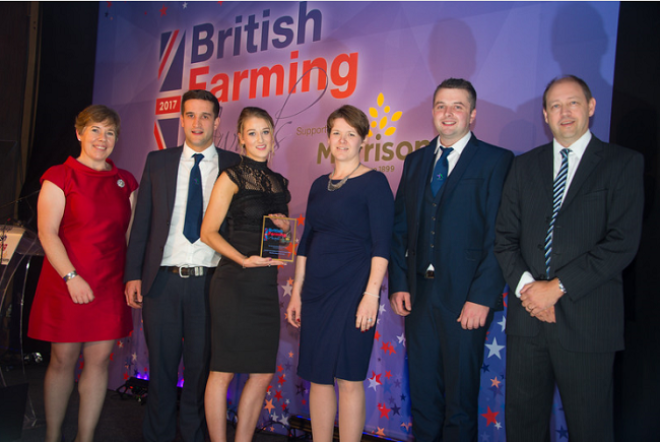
pixel 444 363
pixel 533 366
pixel 176 323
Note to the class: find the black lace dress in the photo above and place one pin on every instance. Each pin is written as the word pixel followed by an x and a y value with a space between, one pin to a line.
pixel 244 303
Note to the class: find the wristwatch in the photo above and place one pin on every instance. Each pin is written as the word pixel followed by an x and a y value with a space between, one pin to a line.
pixel 72 274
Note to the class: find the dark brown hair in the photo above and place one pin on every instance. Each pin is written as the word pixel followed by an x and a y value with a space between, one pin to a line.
pixel 458 83
pixel 353 116
pixel 201 94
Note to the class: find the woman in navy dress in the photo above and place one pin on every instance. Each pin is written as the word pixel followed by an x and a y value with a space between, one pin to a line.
pixel 342 259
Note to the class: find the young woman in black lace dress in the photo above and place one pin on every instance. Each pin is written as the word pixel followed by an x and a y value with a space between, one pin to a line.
pixel 244 305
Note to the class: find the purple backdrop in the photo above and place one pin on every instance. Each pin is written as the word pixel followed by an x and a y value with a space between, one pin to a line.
pixel 300 61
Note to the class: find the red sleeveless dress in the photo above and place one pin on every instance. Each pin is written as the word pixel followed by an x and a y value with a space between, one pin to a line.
pixel 93 231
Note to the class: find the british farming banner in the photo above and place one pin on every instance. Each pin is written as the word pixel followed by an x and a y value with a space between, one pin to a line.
pixel 302 60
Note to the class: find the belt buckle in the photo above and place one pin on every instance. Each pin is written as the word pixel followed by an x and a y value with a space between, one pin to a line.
pixel 184 275
pixel 429 274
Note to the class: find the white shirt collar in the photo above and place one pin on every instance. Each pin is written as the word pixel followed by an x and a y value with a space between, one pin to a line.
pixel 458 146
pixel 577 148
pixel 209 153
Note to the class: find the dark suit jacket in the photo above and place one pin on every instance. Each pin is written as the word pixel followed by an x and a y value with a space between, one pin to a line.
pixel 153 212
pixel 596 236
pixel 465 225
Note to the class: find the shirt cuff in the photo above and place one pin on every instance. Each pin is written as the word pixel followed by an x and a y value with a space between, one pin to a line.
pixel 526 278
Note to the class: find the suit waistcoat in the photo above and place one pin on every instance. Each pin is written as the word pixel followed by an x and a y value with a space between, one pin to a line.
pixel 427 240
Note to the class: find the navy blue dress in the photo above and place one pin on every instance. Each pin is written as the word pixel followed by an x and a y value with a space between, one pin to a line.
pixel 344 229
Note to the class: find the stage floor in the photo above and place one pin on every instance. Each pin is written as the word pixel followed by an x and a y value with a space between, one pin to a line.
pixel 121 419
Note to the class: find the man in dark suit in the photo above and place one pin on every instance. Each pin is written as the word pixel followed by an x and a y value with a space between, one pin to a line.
pixel 168 269
pixel 443 275
pixel 569 223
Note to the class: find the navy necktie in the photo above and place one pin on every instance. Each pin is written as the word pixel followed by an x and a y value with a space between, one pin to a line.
pixel 558 189
pixel 195 205
pixel 440 170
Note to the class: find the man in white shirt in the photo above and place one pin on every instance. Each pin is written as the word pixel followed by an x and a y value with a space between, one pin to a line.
pixel 569 223
pixel 168 269
pixel 443 274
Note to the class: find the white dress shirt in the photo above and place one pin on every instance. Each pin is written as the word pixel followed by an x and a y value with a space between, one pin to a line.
pixel 178 250
pixel 454 155
pixel 574 158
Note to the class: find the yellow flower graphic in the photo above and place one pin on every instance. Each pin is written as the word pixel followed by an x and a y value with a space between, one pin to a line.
pixel 382 121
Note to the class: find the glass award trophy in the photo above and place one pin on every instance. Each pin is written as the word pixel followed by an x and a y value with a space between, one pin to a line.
pixel 278 238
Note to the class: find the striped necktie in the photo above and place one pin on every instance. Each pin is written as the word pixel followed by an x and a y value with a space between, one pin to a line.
pixel 558 189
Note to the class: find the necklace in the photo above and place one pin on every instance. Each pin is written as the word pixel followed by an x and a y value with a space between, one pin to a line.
pixel 333 187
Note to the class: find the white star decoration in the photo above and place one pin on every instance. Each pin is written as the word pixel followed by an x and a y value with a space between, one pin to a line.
pixel 494 349
pixel 381 310
pixel 402 339
pixel 287 289
pixel 502 323
pixel 373 383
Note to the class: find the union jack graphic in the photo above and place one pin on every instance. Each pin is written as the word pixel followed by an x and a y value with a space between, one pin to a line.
pixel 170 73
pixel 171 64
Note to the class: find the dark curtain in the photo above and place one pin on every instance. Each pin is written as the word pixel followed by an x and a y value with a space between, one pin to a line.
pixel 635 124
pixel 66 85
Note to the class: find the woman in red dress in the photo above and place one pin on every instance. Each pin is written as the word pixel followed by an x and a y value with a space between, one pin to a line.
pixel 84 210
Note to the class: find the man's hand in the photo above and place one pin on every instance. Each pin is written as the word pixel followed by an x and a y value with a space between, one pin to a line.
pixel 473 316
pixel 547 315
pixel 133 293
pixel 400 302
pixel 539 296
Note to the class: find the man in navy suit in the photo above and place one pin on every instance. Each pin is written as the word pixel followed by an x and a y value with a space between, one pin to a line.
pixel 569 223
pixel 443 274
pixel 168 269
